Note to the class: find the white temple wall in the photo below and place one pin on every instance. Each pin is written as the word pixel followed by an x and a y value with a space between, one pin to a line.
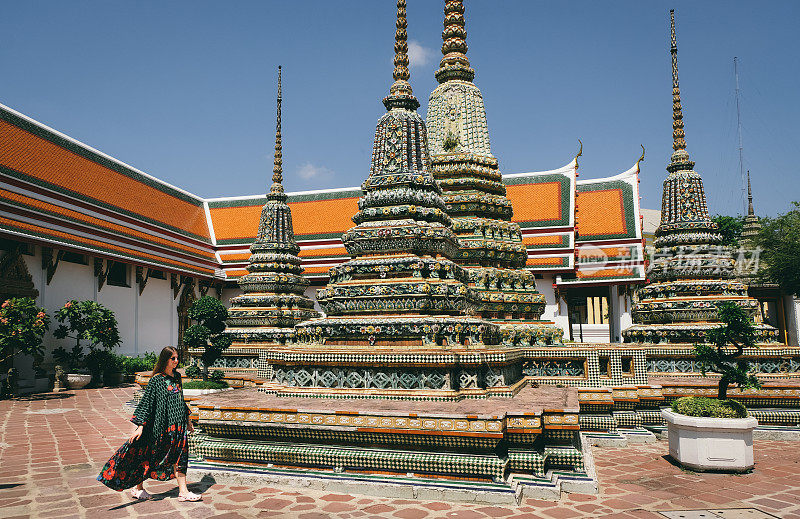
pixel 122 301
pixel 156 311
pixel 146 323
pixel 228 293
pixel 620 312
pixel 555 311
pixel 311 293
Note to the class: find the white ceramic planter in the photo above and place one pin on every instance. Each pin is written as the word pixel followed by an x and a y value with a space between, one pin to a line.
pixel 702 443
pixel 78 380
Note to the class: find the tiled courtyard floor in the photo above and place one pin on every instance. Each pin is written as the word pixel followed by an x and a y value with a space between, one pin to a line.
pixel 52 447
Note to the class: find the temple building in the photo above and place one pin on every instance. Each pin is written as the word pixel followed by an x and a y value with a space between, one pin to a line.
pixel 76 223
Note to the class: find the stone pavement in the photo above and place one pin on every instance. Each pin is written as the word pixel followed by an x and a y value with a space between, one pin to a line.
pixel 52 446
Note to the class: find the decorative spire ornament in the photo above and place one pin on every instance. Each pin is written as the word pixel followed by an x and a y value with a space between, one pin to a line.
pixel 680 158
pixel 276 190
pixel 400 94
pixel 400 289
pixel 750 211
pixel 454 64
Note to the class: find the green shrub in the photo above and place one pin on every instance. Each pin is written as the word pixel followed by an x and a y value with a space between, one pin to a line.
pixel 710 407
pixel 22 326
pixel 217 375
pixel 193 371
pixel 204 384
pixel 133 365
pixel 207 334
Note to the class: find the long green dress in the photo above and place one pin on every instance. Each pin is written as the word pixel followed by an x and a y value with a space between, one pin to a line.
pixel 163 443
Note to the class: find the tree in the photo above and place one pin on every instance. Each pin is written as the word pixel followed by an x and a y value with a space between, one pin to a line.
pixel 208 332
pixel 22 326
pixel 730 227
pixel 86 321
pixel 779 240
pixel 738 331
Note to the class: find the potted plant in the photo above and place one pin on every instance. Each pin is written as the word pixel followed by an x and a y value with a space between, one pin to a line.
pixel 41 381
pixel 22 326
pixel 96 325
pixel 716 433
pixel 208 332
pixel 133 365
pixel 71 370
pixel 113 370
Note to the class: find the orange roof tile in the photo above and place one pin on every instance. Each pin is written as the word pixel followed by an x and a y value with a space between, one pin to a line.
pixel 600 212
pixel 97 222
pixel 535 202
pixel 41 159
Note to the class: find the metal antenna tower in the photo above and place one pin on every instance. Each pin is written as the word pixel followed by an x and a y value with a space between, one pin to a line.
pixel 739 127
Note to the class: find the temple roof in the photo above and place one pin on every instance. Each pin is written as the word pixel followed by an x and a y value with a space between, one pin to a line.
pixel 544 206
pixel 61 192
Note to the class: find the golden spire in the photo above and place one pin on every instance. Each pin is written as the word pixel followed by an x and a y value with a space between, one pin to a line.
pixel 454 64
pixel 750 211
pixel 678 142
pixel 277 169
pixel 400 94
pixel 680 157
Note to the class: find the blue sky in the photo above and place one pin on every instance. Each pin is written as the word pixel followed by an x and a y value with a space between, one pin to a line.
pixel 186 90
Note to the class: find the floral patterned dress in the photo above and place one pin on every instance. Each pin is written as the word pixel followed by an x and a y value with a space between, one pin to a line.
pixel 163 443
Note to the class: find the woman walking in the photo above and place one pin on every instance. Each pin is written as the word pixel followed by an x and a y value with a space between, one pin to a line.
pixel 159 447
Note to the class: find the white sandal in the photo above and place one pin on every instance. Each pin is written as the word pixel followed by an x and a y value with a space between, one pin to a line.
pixel 191 496
pixel 140 495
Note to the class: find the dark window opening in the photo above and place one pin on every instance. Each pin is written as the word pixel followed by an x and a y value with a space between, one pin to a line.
pixel 74 257
pixel 117 274
pixel 605 371
pixel 627 366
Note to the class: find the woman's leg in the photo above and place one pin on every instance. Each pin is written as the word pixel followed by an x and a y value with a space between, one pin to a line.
pixel 181 477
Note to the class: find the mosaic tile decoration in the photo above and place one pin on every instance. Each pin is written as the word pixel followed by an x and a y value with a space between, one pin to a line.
pixel 342 458
pixel 491 247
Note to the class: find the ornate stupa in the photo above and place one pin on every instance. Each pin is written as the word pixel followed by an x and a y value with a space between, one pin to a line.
pixel 691 271
pixel 491 251
pixel 273 300
pixel 401 287
pixel 752 224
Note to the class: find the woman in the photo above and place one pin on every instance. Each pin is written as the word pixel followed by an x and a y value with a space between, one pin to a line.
pixel 159 447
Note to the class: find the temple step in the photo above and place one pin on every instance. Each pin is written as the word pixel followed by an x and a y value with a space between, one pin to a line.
pixel 340 458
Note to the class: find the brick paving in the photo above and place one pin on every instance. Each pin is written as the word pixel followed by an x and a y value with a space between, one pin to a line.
pixel 52 446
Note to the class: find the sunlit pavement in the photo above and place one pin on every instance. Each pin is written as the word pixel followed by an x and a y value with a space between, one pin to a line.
pixel 52 446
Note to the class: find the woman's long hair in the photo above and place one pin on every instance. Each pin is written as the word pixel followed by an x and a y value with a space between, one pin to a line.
pixel 163 358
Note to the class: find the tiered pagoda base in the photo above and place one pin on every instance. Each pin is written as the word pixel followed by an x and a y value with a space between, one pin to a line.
pixel 532 436
pixel 460 421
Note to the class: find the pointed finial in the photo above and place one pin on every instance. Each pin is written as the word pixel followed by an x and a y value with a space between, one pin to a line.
pixel 454 64
pixel 400 94
pixel 750 211
pixel 680 157
pixel 642 157
pixel 277 169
